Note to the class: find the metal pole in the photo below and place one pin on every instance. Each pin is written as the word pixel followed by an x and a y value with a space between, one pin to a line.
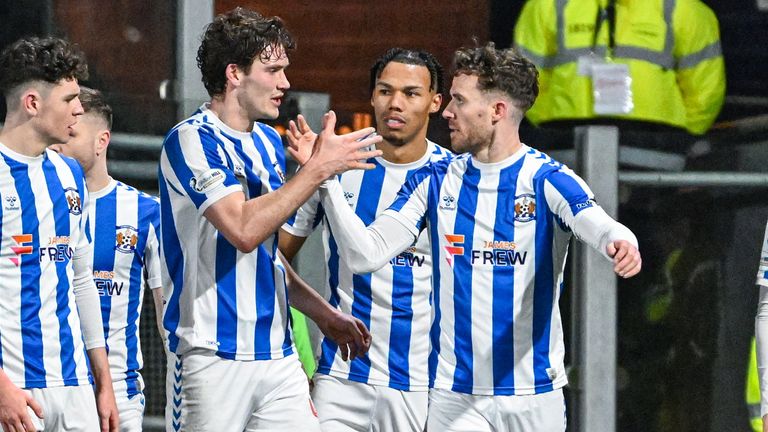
pixel 711 178
pixel 594 294
pixel 192 17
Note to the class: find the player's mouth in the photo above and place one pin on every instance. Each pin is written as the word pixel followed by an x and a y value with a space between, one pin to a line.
pixel 277 100
pixel 394 122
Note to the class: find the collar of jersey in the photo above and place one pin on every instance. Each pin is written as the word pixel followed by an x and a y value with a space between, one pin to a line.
pixel 18 157
pixel 410 165
pixel 103 191
pixel 498 166
pixel 213 118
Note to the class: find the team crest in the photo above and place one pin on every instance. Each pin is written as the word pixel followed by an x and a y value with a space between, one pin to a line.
pixel 127 237
pixel 73 201
pixel 525 208
pixel 350 197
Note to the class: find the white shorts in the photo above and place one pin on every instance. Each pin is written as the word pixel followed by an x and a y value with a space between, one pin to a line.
pixel 220 395
pixel 70 409
pixel 452 411
pixel 345 405
pixel 130 409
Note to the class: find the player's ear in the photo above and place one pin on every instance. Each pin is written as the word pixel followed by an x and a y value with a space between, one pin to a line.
pixel 102 141
pixel 233 74
pixel 31 101
pixel 437 102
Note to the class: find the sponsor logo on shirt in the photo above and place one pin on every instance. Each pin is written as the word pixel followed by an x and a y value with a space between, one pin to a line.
pixel 586 204
pixel 207 181
pixel 408 258
pixel 57 250
pixel 11 202
pixel 73 201
pixel 454 247
pixel 21 247
pixel 105 283
pixel 525 208
pixel 126 238
pixel 448 202
pixel 500 253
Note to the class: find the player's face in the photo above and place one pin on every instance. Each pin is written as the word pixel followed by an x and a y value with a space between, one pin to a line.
pixel 83 141
pixel 59 110
pixel 263 87
pixel 402 102
pixel 469 116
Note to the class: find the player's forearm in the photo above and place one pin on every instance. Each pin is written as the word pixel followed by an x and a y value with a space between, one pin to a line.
pixel 597 229
pixel 100 368
pixel 761 339
pixel 305 299
pixel 363 249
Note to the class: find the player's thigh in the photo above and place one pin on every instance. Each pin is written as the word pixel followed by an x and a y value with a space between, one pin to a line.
pixel 531 413
pixel 130 411
pixel 343 405
pixel 285 406
pixel 400 411
pixel 215 394
pixel 456 412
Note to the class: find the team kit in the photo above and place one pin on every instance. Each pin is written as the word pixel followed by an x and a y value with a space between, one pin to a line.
pixel 443 261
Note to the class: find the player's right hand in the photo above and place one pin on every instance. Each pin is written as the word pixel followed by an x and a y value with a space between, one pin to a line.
pixel 13 407
pixel 349 333
pixel 334 154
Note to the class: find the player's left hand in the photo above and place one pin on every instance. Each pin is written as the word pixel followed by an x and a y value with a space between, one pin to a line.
pixel 107 408
pixel 301 139
pixel 626 258
pixel 349 333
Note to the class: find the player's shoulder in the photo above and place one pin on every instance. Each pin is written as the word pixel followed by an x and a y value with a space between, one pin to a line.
pixel 142 197
pixel 199 125
pixel 271 133
pixel 72 164
pixel 541 163
pixel 438 152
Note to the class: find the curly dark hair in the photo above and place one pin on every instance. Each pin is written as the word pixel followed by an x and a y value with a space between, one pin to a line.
pixel 237 37
pixel 93 102
pixel 48 59
pixel 503 70
pixel 411 57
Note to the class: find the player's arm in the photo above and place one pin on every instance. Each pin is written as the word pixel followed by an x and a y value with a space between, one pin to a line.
pixel 290 244
pixel 89 308
pixel 347 331
pixel 761 331
pixel 572 200
pixel 247 223
pixel 13 406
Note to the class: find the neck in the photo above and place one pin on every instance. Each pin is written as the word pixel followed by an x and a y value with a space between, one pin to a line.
pixel 230 113
pixel 505 141
pixel 405 153
pixel 97 178
pixel 22 138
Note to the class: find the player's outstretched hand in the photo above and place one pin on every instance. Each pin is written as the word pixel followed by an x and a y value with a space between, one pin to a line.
pixel 13 407
pixel 107 408
pixel 626 258
pixel 335 154
pixel 301 140
pixel 349 333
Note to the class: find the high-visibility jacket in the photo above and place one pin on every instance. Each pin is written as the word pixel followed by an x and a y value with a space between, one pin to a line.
pixel 753 391
pixel 671 47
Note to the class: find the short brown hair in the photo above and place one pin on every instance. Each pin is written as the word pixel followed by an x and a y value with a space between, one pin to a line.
pixel 503 70
pixel 94 103
pixel 47 59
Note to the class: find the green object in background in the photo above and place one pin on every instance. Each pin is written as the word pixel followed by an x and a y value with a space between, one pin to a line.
pixel 303 342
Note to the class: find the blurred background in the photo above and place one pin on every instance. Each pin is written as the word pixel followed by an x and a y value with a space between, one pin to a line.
pixel 684 326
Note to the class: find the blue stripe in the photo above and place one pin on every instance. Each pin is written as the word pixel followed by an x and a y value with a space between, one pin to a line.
pixel 329 347
pixel 147 208
pixel 174 261
pixel 400 330
pixel 433 202
pixel 571 190
pixel 31 337
pixel 412 183
pixel 504 282
pixel 265 303
pixel 544 286
pixel 466 206
pixel 226 297
pixel 104 249
pixel 61 216
pixel 367 204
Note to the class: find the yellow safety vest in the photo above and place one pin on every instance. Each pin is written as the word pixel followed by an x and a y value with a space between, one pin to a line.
pixel 671 47
pixel 753 391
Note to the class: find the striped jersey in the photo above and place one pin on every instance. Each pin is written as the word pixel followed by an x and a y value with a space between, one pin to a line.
pixel 218 298
pixel 499 235
pixel 125 228
pixel 393 301
pixel 44 223
pixel 762 272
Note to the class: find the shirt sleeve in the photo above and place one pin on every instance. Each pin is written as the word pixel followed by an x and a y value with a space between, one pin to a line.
pixel 762 271
pixel 306 218
pixel 152 251
pixel 194 164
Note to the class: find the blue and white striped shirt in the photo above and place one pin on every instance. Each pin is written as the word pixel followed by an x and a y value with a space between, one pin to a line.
pixel 125 228
pixel 762 272
pixel 44 227
pixel 219 298
pixel 499 234
pixel 393 301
